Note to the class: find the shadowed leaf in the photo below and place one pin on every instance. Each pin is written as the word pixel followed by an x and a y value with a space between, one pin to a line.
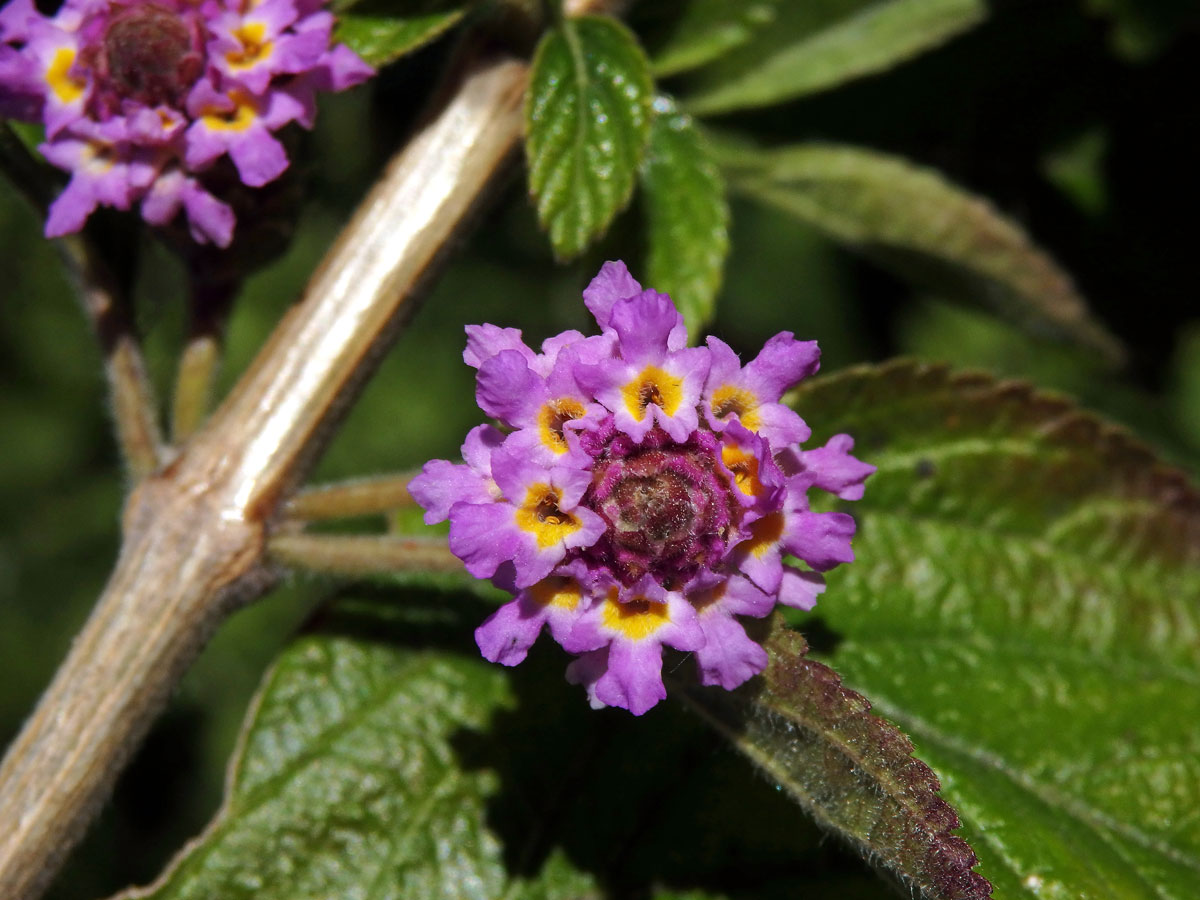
pixel 850 770
pixel 587 119
pixel 688 216
pixel 912 220
pixel 816 46
pixel 1026 606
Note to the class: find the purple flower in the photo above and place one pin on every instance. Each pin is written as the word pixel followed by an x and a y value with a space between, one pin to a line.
pixel 139 99
pixel 645 494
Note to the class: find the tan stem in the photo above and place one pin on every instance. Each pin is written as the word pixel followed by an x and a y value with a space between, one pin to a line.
pixel 106 306
pixel 133 407
pixel 372 554
pixel 195 531
pixel 362 497
pixel 193 385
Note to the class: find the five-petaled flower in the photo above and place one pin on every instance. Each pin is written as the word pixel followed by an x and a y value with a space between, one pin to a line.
pixel 139 98
pixel 644 494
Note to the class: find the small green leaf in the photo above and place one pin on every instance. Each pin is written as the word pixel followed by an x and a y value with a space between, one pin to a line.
pixel 851 771
pixel 1025 605
pixel 688 216
pixel 380 40
pixel 587 123
pixel 814 47
pixel 708 29
pixel 911 219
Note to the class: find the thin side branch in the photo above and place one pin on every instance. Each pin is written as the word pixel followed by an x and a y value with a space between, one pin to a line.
pixel 358 555
pixel 210 304
pixel 107 308
pixel 133 406
pixel 196 530
pixel 347 499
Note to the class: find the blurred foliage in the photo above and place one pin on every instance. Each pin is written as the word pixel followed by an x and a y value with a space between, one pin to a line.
pixel 1044 110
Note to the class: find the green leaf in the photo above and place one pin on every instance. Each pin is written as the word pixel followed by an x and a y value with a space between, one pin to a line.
pixel 384 758
pixel 850 770
pixel 346 781
pixel 380 40
pixel 912 220
pixel 1025 606
pixel 587 123
pixel 708 29
pixel 687 214
pixel 816 46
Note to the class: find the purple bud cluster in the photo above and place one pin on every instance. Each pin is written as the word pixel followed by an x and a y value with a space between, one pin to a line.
pixel 139 99
pixel 643 494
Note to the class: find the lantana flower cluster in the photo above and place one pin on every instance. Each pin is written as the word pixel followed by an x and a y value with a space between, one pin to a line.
pixel 139 98
pixel 643 494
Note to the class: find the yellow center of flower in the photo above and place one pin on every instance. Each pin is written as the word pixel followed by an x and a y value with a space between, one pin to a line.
pixel 96 159
pixel 58 76
pixel 541 516
pixel 553 416
pixel 239 118
pixel 744 466
pixel 254 48
pixel 653 385
pixel 765 534
pixel 564 593
pixel 637 620
pixel 730 400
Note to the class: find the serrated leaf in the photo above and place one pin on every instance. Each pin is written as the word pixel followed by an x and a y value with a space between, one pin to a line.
pixel 587 118
pixel 708 29
pixel 688 217
pixel 346 781
pixel 1026 606
pixel 850 770
pixel 380 40
pixel 911 219
pixel 813 47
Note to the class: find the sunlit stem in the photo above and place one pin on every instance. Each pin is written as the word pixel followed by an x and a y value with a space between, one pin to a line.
pixel 201 357
pixel 357 555
pixel 344 500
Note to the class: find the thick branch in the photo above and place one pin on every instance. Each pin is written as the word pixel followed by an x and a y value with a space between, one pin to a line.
pixel 196 530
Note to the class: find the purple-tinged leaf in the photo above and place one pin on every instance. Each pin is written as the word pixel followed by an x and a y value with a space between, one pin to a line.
pixel 850 770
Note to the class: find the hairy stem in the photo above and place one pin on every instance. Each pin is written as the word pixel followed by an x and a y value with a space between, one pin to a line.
pixel 106 305
pixel 196 530
pixel 210 305
pixel 133 407
pixel 356 555
pixel 346 499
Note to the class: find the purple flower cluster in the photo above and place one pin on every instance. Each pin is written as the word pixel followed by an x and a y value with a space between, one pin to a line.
pixel 140 97
pixel 645 494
